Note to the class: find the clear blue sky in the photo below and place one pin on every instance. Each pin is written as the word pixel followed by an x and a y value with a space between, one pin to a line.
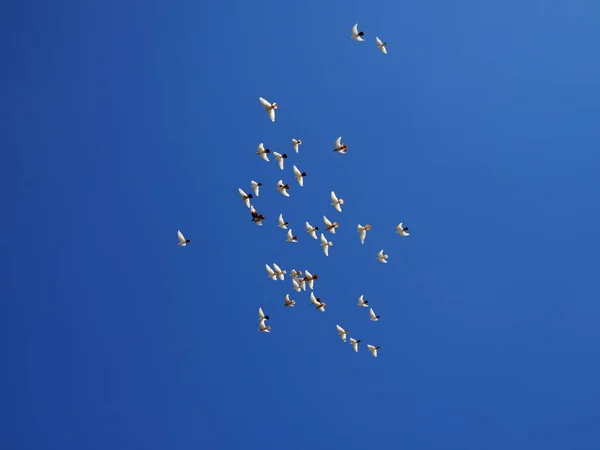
pixel 124 121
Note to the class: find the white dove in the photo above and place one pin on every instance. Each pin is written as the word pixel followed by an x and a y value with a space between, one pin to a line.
pixel 282 223
pixel 182 241
pixel 299 176
pixel 262 326
pixel 317 302
pixel 381 257
pixel 373 349
pixel 245 197
pixel 339 147
pixel 335 202
pixel 402 231
pixel 282 188
pixel 291 237
pixel 362 232
pixel 381 45
pixel 279 157
pixel 342 332
pixel 263 152
pixel 354 343
pixel 280 273
pixel 329 226
pixel 362 302
pixel 296 143
pixel 255 187
pixel 271 273
pixel 270 108
pixel 357 35
pixel 309 279
pixel 374 318
pixel 295 274
pixel 325 244
pixel 288 302
pixel 311 230
pixel 261 315
pixel 296 285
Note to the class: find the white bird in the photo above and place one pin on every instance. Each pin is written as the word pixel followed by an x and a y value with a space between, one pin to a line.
pixel 362 302
pixel 256 217
pixel 381 257
pixel 255 187
pixel 288 302
pixel 374 318
pixel 381 45
pixel 329 226
pixel 261 315
pixel 270 108
pixel 342 332
pixel 245 197
pixel 373 349
pixel 263 152
pixel 311 230
pixel 296 285
pixel 280 273
pixel 279 157
pixel 299 176
pixel 291 237
pixel 325 244
pixel 262 326
pixel 362 232
pixel 295 274
pixel 335 202
pixel 183 241
pixel 296 143
pixel 282 188
pixel 339 147
pixel 309 279
pixel 282 223
pixel 402 231
pixel 354 343
pixel 317 302
pixel 271 273
pixel 357 35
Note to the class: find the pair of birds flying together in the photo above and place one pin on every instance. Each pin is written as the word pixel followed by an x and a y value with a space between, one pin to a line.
pixel 358 36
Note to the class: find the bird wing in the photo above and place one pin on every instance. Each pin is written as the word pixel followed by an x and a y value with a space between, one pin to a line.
pixel 313 299
pixel 180 237
pixel 255 187
pixel 326 221
pixel 270 272
pixel 372 313
pixel 265 103
pixel 338 142
pixel 355 30
pixel 264 156
pixel 272 115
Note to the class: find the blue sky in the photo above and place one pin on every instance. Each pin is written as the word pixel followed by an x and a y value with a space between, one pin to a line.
pixel 123 122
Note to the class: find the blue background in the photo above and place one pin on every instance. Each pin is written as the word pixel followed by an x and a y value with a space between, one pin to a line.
pixel 124 121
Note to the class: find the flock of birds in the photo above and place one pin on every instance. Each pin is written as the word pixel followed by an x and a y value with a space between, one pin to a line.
pixel 300 280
